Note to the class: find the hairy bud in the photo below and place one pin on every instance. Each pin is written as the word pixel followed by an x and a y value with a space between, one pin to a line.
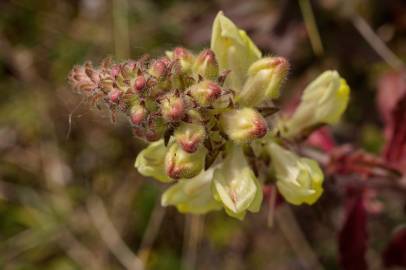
pixel 243 125
pixel 206 65
pixel 172 107
pixel 139 83
pixel 264 81
pixel 115 95
pixel 184 57
pixel 205 92
pixel 181 164
pixel 137 114
pixel 190 136
pixel 159 67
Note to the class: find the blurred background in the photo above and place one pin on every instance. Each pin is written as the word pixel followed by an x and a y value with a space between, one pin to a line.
pixel 70 197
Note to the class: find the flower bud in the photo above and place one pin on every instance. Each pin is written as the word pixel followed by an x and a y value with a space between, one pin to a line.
pixel 234 50
pixel 192 195
pixel 205 92
pixel 137 114
pixel 323 102
pixel 190 136
pixel 264 81
pixel 184 57
pixel 299 180
pixel 159 68
pixel 84 78
pixel 139 83
pixel 172 107
pixel 115 95
pixel 115 70
pixel 181 164
pixel 206 65
pixel 243 125
pixel 150 161
pixel 235 185
pixel 155 129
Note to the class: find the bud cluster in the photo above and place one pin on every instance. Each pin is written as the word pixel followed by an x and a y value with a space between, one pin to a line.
pixel 179 95
pixel 205 117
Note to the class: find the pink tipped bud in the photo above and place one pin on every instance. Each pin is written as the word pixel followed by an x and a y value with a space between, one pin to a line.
pixel 172 108
pixel 180 164
pixel 180 52
pixel 139 83
pixel 137 114
pixel 265 78
pixel 159 68
pixel 190 136
pixel 155 130
pixel 243 125
pixel 205 92
pixel 206 65
pixel 115 70
pixel 115 95
pixel 184 57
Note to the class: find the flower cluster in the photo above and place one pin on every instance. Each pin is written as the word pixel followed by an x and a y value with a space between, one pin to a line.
pixel 211 124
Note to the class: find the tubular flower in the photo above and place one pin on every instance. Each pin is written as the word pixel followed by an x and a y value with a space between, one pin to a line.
pixel 234 50
pixel 150 161
pixel 323 102
pixel 299 180
pixel 192 195
pixel 235 185
pixel 264 81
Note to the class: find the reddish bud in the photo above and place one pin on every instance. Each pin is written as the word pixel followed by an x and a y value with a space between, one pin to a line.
pixel 137 114
pixel 139 83
pixel 243 125
pixel 172 108
pixel 115 70
pixel 159 68
pixel 115 95
pixel 190 136
pixel 206 65
pixel 205 92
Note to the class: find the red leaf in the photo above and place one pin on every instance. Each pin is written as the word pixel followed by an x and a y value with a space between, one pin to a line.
pixel 392 106
pixel 352 238
pixel 395 131
pixel 395 252
pixel 347 160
